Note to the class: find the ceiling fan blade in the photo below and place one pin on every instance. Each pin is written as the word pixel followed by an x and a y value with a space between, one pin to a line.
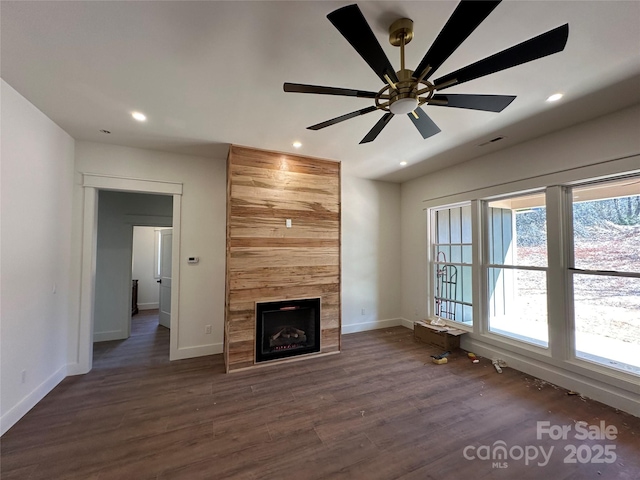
pixel 545 44
pixel 346 92
pixel 342 118
pixel 377 128
pixel 423 123
pixel 488 103
pixel 352 25
pixel 463 21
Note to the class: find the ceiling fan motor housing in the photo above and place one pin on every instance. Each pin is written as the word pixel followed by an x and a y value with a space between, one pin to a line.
pixel 404 98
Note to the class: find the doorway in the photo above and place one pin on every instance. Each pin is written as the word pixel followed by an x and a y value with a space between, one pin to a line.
pixel 151 279
pixel 94 186
pixel 118 213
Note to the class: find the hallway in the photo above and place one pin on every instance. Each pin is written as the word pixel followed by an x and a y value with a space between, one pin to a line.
pixel 147 345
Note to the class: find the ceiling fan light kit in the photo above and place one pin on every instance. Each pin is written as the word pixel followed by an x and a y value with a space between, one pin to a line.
pixel 405 91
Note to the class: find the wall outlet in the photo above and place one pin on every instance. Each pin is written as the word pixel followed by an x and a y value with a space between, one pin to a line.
pixel 23 377
pixel 207 329
pixel 363 311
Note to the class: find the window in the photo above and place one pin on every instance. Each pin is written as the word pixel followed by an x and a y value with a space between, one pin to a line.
pixel 558 267
pixel 451 263
pixel 605 275
pixel 516 271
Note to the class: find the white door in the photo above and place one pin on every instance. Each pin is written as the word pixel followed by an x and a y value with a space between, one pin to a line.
pixel 166 237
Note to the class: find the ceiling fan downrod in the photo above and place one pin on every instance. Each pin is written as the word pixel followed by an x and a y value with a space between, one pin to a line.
pixel 404 95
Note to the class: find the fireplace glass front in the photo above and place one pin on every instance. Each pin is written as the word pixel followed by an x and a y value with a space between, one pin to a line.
pixel 287 328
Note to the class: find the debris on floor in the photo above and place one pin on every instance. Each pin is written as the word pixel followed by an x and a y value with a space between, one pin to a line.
pixel 473 357
pixel 442 355
pixel 498 364
pixel 440 359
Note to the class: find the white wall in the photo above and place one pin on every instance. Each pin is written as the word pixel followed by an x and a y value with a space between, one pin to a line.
pixel 370 254
pixel 203 234
pixel 597 143
pixel 37 180
pixel 143 267
pixel 116 212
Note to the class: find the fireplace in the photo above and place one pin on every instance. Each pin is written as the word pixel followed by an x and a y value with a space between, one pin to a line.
pixel 287 328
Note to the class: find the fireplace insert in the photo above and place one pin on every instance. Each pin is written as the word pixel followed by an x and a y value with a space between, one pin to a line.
pixel 287 328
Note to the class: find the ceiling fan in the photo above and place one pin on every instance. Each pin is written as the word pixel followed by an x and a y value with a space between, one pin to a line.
pixel 406 90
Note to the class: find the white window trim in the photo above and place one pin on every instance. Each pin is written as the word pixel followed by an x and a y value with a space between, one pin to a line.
pixel 570 354
pixel 555 361
pixel 431 262
pixel 484 269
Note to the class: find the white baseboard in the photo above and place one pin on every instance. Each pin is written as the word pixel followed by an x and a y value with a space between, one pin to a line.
pixel 199 351
pixel 375 325
pixel 108 336
pixel 588 387
pixel 148 306
pixel 76 369
pixel 406 323
pixel 11 417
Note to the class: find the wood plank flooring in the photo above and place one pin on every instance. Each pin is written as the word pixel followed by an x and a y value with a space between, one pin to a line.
pixel 378 410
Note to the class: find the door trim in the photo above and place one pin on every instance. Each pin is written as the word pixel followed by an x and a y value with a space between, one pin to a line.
pixel 92 184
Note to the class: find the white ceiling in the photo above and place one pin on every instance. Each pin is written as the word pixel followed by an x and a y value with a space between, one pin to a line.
pixel 210 73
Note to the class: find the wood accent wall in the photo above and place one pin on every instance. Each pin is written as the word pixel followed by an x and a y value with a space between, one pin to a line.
pixel 267 261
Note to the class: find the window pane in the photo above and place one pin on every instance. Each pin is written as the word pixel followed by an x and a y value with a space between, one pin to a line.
pixel 466 224
pixel 518 304
pixel 456 226
pixel 443 253
pixel 606 226
pixel 467 311
pixel 518 231
pixel 442 226
pixel 466 254
pixel 607 320
pixel 456 254
pixel 466 285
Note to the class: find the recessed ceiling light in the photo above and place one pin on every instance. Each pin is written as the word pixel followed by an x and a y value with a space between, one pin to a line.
pixel 403 163
pixel 297 144
pixel 555 97
pixel 141 117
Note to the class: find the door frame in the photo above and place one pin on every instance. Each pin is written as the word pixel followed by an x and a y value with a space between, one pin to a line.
pixel 92 184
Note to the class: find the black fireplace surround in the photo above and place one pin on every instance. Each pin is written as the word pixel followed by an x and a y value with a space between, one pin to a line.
pixel 287 328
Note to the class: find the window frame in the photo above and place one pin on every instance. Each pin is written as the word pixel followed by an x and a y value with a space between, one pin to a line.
pixel 571 271
pixel 486 266
pixel 432 265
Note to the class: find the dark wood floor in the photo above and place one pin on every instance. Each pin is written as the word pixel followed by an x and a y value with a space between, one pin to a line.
pixel 378 410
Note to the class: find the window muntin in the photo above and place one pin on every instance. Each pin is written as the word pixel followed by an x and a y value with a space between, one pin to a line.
pixel 451 263
pixel 605 279
pixel 516 271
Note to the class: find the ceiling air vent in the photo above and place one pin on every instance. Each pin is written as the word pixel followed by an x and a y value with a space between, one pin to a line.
pixel 493 140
